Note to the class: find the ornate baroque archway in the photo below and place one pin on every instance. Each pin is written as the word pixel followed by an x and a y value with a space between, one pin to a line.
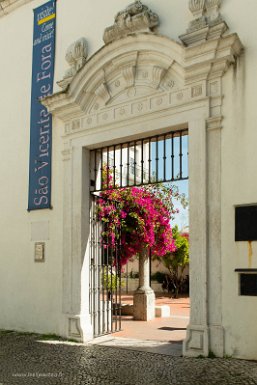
pixel 137 84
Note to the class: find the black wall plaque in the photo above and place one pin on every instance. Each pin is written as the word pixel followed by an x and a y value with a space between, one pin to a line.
pixel 248 284
pixel 246 223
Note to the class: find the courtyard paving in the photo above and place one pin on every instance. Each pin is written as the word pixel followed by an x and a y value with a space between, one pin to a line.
pixel 33 359
pixel 170 329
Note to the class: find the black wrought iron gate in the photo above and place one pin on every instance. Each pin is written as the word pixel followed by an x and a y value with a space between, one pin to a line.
pixel 105 277
pixel 160 158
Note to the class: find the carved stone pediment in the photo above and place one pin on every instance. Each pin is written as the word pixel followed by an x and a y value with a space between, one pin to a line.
pixel 122 80
pixel 135 18
pixel 132 83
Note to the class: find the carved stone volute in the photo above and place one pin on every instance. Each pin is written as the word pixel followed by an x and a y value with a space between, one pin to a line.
pixel 77 53
pixel 76 56
pixel 137 17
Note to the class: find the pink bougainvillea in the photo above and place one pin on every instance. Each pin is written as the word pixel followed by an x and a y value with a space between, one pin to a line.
pixel 135 218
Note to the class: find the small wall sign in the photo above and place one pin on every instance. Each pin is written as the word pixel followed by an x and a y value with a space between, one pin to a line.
pixel 39 255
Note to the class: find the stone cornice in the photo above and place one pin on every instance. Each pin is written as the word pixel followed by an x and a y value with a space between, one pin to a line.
pixel 7 6
pixel 212 58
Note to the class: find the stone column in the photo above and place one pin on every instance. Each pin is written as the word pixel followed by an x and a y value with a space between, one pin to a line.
pixel 77 322
pixel 197 340
pixel 144 297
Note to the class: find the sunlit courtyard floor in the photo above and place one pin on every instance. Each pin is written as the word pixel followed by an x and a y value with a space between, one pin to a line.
pixel 171 328
pixel 161 335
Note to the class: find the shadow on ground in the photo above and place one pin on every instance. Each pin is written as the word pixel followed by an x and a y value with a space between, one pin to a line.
pixel 31 360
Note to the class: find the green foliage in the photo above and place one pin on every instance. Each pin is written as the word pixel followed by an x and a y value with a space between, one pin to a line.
pixel 227 357
pixel 176 261
pixel 51 337
pixel 110 280
pixel 41 337
pixel 158 276
pixel 180 257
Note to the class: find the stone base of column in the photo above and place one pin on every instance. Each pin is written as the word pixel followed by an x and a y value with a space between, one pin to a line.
pixel 144 304
pixel 197 341
pixel 203 340
pixel 77 327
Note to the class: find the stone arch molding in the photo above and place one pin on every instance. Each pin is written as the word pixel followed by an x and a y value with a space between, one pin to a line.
pixel 140 74
pixel 138 78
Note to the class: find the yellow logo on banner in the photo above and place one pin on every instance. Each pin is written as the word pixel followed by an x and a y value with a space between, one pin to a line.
pixel 47 18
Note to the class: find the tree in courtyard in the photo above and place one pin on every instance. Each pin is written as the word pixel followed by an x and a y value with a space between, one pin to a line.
pixel 177 260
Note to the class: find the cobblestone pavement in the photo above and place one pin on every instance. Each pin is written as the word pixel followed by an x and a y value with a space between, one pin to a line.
pixel 29 359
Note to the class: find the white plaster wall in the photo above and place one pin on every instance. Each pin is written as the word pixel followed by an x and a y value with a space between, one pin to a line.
pixel 89 18
pixel 156 266
pixel 239 183
pixel 30 293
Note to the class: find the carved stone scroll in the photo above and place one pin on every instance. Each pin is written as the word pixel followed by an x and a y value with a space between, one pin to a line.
pixel 76 56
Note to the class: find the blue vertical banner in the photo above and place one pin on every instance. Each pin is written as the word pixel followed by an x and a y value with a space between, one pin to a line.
pixel 41 120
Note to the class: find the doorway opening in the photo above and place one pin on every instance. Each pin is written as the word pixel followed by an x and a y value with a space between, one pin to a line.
pixel 152 164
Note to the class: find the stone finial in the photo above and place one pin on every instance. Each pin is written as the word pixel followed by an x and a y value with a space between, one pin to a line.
pixel 213 11
pixel 207 24
pixel 197 7
pixel 76 56
pixel 137 17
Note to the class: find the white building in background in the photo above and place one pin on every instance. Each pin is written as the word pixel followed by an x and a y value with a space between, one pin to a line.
pixel 189 67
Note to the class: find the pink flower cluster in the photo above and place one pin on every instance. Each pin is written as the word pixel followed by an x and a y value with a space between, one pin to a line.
pixel 135 219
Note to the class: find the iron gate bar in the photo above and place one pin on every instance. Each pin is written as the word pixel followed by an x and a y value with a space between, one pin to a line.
pixel 114 162
pixel 108 168
pixel 121 165
pixel 101 179
pixel 172 156
pixel 128 164
pixel 157 158
pixel 164 158
pixel 105 278
pixel 142 161
pixel 180 156
pixel 131 164
pixel 149 160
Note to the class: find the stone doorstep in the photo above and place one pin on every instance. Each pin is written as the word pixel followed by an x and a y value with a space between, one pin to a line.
pixel 162 311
